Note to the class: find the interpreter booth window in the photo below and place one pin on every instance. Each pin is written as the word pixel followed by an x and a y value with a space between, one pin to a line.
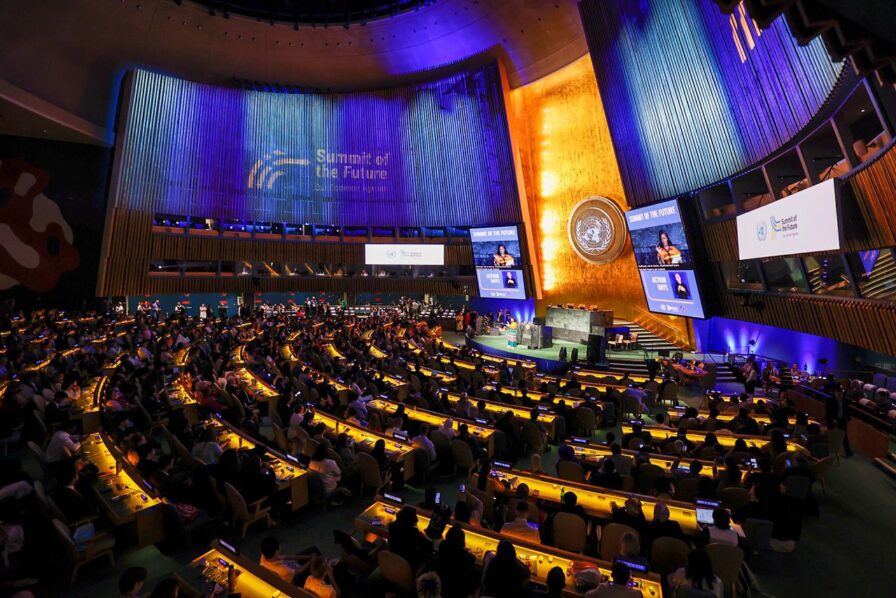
pixel 200 269
pixel 828 276
pixel 784 275
pixel 164 269
pixel 742 275
pixel 408 232
pixel 874 271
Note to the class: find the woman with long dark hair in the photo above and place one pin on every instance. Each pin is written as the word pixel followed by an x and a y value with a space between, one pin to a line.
pixel 697 574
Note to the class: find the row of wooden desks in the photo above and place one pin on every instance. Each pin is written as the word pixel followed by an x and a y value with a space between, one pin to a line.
pixel 397 451
pixel 597 502
pixel 676 413
pixel 289 473
pixel 539 559
pixel 593 454
pixel 725 438
pixel 483 433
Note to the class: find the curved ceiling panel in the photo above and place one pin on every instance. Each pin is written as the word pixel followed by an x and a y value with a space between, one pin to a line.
pixel 73 53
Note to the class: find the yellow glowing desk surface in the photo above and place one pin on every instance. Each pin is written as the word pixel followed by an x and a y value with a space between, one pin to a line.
pixel 425 371
pixel 44 363
pixel 487 370
pixel 585 372
pixel 261 390
pixel 481 432
pixel 596 501
pixel 725 439
pixel 333 352
pixel 676 413
pixel 87 407
pixel 536 396
pixel 397 451
pixel 287 470
pixel 522 413
pixel 180 357
pixel 594 453
pixel 511 361
pixel 539 559
pixel 123 495
pixel 180 396
pixel 252 580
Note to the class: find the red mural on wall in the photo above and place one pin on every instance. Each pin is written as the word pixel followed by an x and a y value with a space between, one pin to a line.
pixel 36 243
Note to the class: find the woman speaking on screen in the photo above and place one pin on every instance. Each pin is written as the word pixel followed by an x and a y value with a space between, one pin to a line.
pixel 502 258
pixel 667 253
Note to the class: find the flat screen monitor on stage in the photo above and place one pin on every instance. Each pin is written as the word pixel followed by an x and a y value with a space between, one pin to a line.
pixel 498 260
pixel 664 259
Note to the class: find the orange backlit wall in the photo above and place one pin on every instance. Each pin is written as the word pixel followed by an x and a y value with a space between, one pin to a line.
pixel 567 155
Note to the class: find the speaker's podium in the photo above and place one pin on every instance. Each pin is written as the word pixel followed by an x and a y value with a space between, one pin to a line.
pixel 531 336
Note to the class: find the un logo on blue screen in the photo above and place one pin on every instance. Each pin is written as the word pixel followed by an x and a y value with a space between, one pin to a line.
pixel 761 230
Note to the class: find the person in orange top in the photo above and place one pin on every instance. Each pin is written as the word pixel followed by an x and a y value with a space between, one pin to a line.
pixel 320 582
pixel 667 253
pixel 287 567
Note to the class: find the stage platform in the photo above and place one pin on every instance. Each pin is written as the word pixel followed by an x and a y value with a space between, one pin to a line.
pixel 547 360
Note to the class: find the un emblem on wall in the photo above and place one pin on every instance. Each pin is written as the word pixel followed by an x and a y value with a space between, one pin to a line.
pixel 597 230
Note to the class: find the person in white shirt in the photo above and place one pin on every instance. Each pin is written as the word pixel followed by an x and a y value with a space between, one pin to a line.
pixel 618 587
pixel 64 444
pixel 698 575
pixel 327 469
pixel 422 441
pixel 447 428
pixel 720 532
pixel 207 449
pixel 520 528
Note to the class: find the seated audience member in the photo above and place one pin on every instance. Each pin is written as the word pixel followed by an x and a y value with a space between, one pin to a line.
pixel 320 582
pixel 131 582
pixel 623 463
pixel 207 448
pixel 69 498
pixel 406 540
pixel 447 428
pixel 504 576
pixel 429 585
pixel 630 549
pixel 720 532
pixel 347 453
pixel 697 575
pixel 556 582
pixel 422 441
pixel 286 567
pixel 329 472
pixel 456 565
pixel 617 586
pixel 520 527
pixel 64 443
pixel 631 514
pixel 662 526
pixel 607 477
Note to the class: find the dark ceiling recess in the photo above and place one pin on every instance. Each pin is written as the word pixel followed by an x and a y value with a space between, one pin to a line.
pixel 311 12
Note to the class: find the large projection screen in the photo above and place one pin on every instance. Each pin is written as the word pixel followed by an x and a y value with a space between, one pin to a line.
pixel 805 222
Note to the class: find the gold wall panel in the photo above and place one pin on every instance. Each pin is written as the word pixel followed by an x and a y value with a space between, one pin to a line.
pixel 567 155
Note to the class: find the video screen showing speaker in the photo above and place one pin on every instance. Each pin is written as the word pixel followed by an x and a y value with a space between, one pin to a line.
pixel 498 260
pixel 664 260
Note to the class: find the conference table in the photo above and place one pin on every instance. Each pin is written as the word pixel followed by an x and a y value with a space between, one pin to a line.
pixel 181 397
pixel 676 413
pixel 545 416
pixel 396 450
pixel 483 433
pixel 261 390
pixel 597 502
pixel 593 454
pixel 725 439
pixel 527 364
pixel 540 559
pixel 199 578
pixel 124 496
pixel 87 407
pixel 290 475
pixel 536 395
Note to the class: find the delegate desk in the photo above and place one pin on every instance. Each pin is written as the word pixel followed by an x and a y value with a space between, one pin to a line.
pixel 689 372
pixel 252 580
pixel 676 413
pixel 539 559
pixel 581 372
pixel 87 407
pixel 180 397
pixel 483 434
pixel 548 418
pixel 398 452
pixel 593 454
pixel 597 502
pixel 123 495
pixel 524 363
pixel 290 475
pixel 537 395
pixel 258 388
pixel 725 439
